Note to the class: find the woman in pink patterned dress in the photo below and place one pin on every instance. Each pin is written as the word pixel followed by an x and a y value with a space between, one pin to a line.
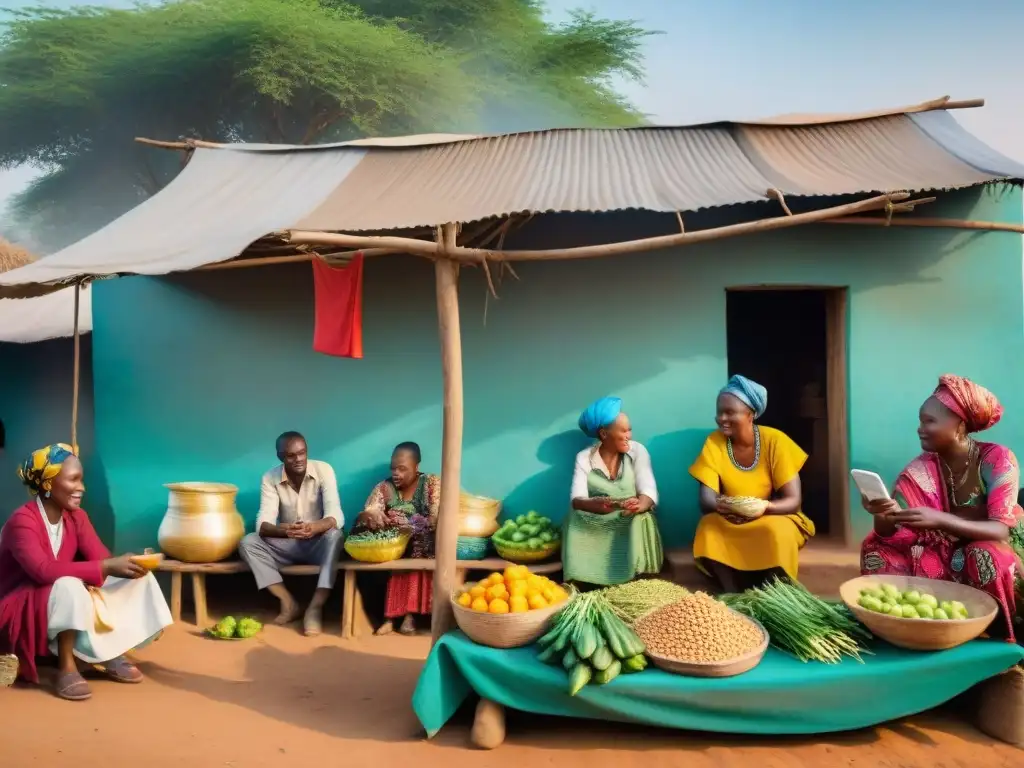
pixel 953 506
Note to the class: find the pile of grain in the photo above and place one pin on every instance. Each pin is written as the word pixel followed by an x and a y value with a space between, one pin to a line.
pixel 698 628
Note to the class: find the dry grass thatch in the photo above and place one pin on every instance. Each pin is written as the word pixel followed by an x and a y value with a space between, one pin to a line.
pixel 13 256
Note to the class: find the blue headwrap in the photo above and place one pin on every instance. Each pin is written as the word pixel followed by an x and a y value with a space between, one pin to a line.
pixel 599 414
pixel 748 392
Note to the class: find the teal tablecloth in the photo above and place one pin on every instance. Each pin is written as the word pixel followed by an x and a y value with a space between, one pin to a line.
pixel 781 695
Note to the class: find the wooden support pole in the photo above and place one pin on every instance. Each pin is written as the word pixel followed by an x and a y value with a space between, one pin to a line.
pixel 77 373
pixel 447 275
pixel 886 202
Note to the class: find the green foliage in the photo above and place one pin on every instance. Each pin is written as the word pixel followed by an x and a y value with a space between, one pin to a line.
pixel 77 86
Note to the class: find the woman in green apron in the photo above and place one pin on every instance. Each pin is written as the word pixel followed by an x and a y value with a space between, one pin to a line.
pixel 610 532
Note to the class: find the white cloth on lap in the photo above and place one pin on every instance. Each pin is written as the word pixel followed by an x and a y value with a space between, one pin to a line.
pixel 134 608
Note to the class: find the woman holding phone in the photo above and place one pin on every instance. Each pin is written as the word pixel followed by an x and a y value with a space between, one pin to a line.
pixel 954 506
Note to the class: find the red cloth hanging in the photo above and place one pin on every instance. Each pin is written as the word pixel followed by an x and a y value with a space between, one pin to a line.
pixel 338 295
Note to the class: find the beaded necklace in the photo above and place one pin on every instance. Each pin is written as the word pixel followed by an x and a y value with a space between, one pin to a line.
pixel 757 452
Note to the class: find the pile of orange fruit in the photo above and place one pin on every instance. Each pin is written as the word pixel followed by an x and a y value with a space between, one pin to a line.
pixel 514 591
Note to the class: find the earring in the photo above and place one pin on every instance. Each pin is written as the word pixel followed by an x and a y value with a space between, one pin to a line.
pixel 47 494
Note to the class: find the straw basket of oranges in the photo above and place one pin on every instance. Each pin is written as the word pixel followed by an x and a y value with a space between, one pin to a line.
pixel 510 609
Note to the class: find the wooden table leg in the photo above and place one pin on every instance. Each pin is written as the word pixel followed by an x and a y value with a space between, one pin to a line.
pixel 199 599
pixel 176 596
pixel 348 600
pixel 361 624
pixel 488 725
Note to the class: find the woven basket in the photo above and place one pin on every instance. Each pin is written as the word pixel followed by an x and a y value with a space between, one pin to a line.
pixel 747 507
pixel 728 668
pixel 472 548
pixel 377 552
pixel 478 515
pixel 999 703
pixel 505 630
pixel 8 670
pixel 527 556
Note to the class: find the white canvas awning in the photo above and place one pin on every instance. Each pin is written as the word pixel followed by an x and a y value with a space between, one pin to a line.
pixel 23 321
pixel 221 202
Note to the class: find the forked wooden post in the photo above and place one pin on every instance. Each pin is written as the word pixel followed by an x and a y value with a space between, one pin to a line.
pixel 446 271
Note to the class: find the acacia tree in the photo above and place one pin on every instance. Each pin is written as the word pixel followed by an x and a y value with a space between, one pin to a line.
pixel 76 86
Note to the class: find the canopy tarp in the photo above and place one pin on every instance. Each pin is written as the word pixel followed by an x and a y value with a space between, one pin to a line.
pixel 780 696
pixel 23 321
pixel 213 210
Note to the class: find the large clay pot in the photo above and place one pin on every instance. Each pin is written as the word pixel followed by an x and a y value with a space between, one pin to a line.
pixel 202 524
pixel 478 516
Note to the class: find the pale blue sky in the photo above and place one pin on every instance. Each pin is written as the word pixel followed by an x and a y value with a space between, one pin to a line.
pixel 733 59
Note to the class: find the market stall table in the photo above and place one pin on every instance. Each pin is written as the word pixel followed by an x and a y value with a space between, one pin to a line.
pixel 780 696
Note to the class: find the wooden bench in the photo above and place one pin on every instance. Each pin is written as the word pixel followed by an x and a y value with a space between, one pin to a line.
pixel 352 603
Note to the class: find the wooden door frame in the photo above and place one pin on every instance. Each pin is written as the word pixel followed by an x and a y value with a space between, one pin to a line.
pixel 836 401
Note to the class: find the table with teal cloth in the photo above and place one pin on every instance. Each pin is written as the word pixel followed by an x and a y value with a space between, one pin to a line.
pixel 780 696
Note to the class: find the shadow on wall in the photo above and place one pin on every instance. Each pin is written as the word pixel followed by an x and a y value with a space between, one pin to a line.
pixel 35 405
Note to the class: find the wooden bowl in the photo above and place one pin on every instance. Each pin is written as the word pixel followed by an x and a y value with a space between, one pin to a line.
pixel 150 561
pixel 727 668
pixel 505 630
pixel 923 634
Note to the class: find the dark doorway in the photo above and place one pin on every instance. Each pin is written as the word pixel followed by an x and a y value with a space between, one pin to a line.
pixel 793 342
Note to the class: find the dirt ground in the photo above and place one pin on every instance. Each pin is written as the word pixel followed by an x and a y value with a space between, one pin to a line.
pixel 285 700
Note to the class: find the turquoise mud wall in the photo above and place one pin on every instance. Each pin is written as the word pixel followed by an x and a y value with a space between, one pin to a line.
pixel 196 374
pixel 35 407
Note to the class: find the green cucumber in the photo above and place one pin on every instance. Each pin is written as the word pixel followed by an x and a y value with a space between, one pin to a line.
pixel 635 664
pixel 613 636
pixel 579 677
pixel 585 641
pixel 548 655
pixel 632 641
pixel 605 676
pixel 602 659
pixel 563 638
pixel 553 634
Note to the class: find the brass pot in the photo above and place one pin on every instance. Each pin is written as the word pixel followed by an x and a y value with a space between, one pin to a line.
pixel 202 524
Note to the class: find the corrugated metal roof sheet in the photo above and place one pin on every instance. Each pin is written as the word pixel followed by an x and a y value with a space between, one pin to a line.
pixel 229 195
pixel 657 169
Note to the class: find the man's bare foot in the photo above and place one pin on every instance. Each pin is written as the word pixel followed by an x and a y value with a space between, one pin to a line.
pixel 408 626
pixel 289 612
pixel 386 628
pixel 312 622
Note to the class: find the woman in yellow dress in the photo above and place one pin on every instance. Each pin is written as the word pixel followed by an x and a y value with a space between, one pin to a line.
pixel 742 458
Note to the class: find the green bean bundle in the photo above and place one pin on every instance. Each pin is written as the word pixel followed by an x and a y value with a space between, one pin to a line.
pixel 802 624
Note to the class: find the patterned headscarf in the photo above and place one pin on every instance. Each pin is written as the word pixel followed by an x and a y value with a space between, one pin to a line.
pixel 599 414
pixel 976 406
pixel 748 392
pixel 39 469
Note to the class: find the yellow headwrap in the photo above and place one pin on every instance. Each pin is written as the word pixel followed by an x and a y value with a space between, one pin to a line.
pixel 39 469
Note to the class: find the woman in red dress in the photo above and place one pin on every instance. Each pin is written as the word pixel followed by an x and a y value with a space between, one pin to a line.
pixel 61 591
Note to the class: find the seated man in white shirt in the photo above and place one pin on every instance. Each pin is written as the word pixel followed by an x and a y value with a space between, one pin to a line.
pixel 299 523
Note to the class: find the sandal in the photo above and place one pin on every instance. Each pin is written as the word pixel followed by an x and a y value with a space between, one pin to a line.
pixel 71 686
pixel 122 671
